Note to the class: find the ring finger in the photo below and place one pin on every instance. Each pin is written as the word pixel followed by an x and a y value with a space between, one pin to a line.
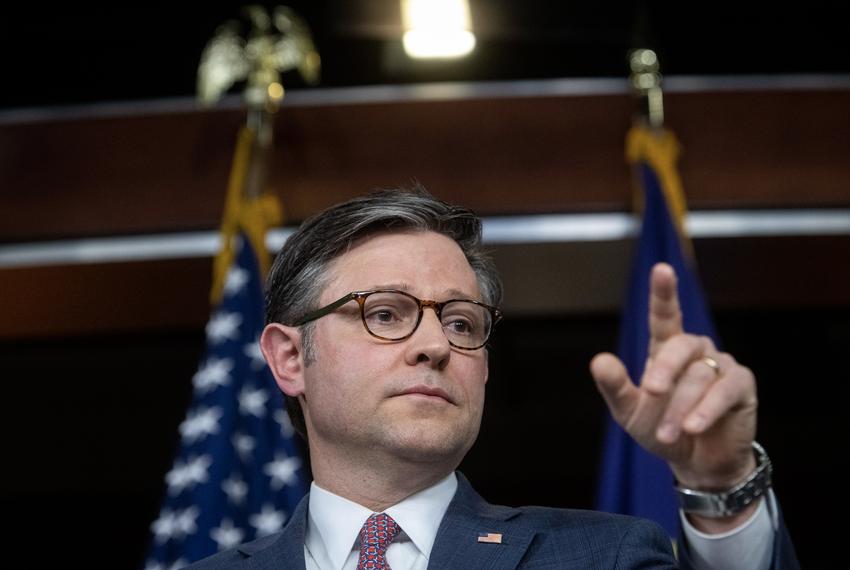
pixel 689 390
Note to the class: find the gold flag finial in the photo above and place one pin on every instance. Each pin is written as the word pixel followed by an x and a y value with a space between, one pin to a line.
pixel 646 82
pixel 275 43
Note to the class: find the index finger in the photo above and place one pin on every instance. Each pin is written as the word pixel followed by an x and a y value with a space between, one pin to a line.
pixel 665 315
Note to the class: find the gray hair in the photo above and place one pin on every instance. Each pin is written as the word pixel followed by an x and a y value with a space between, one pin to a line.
pixel 298 276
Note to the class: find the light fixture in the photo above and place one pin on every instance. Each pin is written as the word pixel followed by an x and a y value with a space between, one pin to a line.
pixel 437 28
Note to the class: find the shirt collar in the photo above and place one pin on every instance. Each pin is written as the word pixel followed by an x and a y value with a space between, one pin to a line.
pixel 420 514
pixel 338 521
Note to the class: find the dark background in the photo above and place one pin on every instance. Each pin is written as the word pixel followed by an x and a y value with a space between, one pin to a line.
pixel 62 54
pixel 90 421
pixel 91 424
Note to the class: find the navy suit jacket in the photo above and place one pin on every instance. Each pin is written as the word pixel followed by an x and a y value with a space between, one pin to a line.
pixel 532 537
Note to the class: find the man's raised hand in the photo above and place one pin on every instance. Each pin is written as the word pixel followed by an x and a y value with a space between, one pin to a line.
pixel 695 407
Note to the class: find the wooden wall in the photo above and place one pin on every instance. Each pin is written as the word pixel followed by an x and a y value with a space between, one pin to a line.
pixel 166 170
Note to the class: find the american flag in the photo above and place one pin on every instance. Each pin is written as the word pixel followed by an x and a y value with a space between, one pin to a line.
pixel 237 475
pixel 490 537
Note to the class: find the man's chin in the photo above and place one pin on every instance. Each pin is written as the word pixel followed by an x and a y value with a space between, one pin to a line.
pixel 437 446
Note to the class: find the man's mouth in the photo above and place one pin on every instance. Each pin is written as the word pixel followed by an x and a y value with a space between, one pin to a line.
pixel 429 392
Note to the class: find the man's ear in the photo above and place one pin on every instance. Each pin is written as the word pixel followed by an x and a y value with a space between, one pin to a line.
pixel 281 346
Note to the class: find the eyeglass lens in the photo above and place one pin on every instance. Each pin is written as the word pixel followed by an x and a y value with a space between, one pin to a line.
pixel 393 316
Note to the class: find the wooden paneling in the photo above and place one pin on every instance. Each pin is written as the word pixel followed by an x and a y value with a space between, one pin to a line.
pixel 166 172
pixel 540 279
pixel 57 301
pixel 763 149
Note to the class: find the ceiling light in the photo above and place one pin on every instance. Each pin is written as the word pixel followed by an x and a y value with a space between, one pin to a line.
pixel 437 28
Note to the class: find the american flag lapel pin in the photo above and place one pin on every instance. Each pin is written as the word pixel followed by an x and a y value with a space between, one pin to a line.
pixel 490 537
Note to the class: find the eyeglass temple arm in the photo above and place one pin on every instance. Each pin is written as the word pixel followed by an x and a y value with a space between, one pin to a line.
pixel 326 310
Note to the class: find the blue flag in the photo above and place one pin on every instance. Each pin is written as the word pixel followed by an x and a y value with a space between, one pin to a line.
pixel 633 481
pixel 237 475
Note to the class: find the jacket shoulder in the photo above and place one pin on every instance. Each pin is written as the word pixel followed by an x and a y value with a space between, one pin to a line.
pixel 234 557
pixel 561 538
pixel 598 540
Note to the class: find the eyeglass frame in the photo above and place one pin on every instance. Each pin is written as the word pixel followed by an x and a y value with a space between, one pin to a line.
pixel 437 306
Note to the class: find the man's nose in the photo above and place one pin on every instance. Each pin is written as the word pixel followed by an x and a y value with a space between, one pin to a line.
pixel 429 343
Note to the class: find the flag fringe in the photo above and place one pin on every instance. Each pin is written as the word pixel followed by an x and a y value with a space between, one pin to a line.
pixel 252 216
pixel 660 149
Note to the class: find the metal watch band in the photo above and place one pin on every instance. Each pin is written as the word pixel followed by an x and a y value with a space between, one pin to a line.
pixel 733 501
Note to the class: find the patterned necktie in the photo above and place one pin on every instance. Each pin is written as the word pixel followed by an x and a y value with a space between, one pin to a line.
pixel 377 533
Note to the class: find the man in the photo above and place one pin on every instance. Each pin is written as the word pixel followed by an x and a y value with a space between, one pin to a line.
pixel 379 311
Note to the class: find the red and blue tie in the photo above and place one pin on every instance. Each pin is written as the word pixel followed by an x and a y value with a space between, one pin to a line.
pixel 377 533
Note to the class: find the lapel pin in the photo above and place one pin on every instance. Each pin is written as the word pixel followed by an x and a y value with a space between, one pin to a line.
pixel 490 537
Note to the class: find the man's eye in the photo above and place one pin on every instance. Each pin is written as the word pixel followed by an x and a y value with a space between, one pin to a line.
pixel 459 326
pixel 382 316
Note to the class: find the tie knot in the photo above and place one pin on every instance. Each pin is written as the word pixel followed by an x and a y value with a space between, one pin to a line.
pixel 377 533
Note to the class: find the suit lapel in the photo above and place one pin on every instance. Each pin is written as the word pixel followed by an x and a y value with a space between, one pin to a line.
pixel 468 516
pixel 456 544
pixel 285 551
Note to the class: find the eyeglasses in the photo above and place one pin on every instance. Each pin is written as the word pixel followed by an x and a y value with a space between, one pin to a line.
pixel 389 314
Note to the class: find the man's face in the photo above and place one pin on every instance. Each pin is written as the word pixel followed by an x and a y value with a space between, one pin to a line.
pixel 419 399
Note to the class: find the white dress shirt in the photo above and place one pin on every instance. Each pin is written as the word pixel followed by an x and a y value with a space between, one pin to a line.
pixel 334 523
pixel 748 546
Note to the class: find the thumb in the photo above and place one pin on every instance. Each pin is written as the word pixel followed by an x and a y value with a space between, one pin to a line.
pixel 613 382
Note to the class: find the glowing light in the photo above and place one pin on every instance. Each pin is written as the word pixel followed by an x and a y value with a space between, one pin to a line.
pixel 437 28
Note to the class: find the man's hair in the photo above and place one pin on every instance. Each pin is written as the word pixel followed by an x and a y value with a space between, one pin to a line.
pixel 298 276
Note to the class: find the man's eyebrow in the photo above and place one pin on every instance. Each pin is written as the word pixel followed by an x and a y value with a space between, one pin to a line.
pixel 450 293
pixel 458 294
pixel 398 285
pixel 401 286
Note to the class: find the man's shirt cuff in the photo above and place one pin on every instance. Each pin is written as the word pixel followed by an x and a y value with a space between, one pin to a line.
pixel 749 546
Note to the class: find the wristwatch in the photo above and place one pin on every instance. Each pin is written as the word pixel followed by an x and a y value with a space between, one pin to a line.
pixel 736 499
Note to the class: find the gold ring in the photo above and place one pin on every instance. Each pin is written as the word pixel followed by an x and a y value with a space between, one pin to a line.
pixel 711 363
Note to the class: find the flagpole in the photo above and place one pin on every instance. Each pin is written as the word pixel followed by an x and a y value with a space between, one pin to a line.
pixel 237 474
pixel 277 42
pixel 633 481
pixel 649 142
